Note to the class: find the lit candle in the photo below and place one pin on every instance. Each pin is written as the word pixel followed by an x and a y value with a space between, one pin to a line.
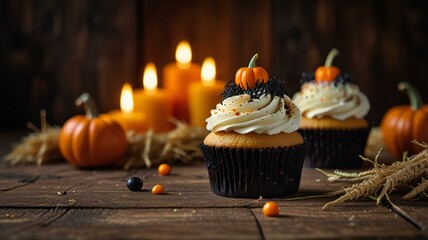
pixel 177 79
pixel 153 102
pixel 127 118
pixel 204 95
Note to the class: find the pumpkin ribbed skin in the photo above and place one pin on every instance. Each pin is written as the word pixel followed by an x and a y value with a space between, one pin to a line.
pixel 328 72
pixel 246 77
pixel 401 125
pixel 93 142
pixel 405 123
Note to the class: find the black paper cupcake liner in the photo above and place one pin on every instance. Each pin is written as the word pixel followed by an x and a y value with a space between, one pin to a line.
pixel 251 173
pixel 334 148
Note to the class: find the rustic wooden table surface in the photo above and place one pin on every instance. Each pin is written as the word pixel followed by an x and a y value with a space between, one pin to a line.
pixel 58 201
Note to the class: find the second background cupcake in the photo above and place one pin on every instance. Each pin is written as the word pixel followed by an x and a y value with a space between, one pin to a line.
pixel 333 111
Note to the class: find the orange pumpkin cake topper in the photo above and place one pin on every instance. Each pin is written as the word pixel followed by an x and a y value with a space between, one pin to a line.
pixel 328 73
pixel 246 77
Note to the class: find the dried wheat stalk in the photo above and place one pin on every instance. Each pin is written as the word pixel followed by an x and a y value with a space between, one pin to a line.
pixel 149 149
pixel 385 178
pixel 39 147
pixel 145 150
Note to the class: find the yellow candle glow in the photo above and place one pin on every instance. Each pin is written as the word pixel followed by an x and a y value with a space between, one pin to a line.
pixel 126 99
pixel 127 118
pixel 204 95
pixel 177 79
pixel 153 102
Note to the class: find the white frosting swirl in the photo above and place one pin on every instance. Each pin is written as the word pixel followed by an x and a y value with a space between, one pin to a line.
pixel 337 100
pixel 264 115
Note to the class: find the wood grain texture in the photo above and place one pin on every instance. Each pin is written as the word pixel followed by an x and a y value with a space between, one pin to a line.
pixel 300 220
pixel 14 222
pixel 52 51
pixel 70 203
pixel 130 224
pixel 380 45
pixel 230 32
pixel 417 211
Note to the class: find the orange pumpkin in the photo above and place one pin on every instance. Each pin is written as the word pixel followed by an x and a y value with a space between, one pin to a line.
pixel 403 124
pixel 328 73
pixel 92 141
pixel 247 77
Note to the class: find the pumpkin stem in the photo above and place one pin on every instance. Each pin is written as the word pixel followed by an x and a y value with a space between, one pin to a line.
pixel 331 55
pixel 252 63
pixel 43 123
pixel 88 104
pixel 414 96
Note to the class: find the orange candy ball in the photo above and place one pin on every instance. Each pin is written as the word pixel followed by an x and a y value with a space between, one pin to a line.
pixel 164 169
pixel 271 209
pixel 158 189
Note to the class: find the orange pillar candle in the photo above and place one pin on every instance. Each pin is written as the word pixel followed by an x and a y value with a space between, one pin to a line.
pixel 127 118
pixel 177 79
pixel 204 95
pixel 153 102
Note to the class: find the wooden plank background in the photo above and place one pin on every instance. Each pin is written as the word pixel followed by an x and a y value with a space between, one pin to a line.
pixel 51 51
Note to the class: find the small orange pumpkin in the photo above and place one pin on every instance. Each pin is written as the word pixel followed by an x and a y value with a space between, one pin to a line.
pixel 92 141
pixel 403 124
pixel 247 77
pixel 328 73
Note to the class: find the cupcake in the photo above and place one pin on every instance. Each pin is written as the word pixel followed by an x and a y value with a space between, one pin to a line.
pixel 333 111
pixel 254 148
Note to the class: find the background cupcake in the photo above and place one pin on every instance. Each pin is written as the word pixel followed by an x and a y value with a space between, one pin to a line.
pixel 254 149
pixel 333 111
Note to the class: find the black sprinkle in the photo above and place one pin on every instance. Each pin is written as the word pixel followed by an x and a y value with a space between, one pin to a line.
pixel 307 77
pixel 341 78
pixel 273 87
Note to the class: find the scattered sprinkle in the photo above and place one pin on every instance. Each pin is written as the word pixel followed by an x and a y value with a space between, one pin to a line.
pixel 164 169
pixel 271 209
pixel 158 189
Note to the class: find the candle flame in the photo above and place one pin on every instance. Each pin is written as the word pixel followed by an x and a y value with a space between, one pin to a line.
pixel 183 54
pixel 208 72
pixel 150 79
pixel 126 98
